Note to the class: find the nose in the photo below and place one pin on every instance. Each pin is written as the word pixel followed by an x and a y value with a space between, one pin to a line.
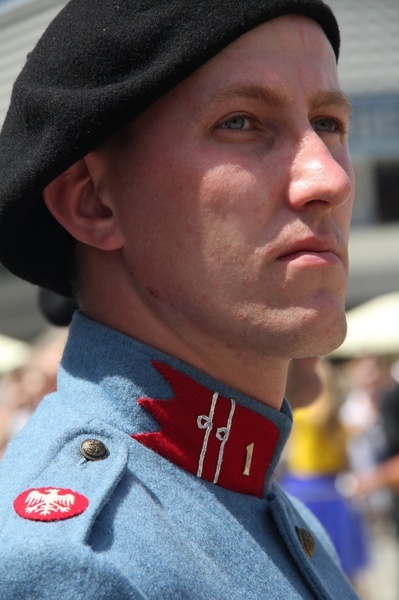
pixel 320 174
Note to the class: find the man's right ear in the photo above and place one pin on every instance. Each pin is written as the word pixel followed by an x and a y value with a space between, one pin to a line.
pixel 73 201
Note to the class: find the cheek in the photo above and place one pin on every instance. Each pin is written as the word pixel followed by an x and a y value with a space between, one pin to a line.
pixel 234 196
pixel 190 214
pixel 344 212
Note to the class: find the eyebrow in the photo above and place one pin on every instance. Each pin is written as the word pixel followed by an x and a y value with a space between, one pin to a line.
pixel 276 99
pixel 332 98
pixel 252 92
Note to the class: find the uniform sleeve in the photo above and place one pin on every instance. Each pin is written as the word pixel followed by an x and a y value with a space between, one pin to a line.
pixel 63 572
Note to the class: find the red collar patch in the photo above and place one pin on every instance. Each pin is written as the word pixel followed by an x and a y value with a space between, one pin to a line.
pixel 50 504
pixel 209 435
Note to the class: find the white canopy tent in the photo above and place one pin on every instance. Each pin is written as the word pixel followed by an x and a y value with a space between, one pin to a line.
pixel 13 353
pixel 373 328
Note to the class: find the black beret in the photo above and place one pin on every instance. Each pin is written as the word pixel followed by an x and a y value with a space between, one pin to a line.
pixel 99 64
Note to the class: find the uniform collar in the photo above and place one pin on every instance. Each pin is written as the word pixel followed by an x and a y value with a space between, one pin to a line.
pixel 182 414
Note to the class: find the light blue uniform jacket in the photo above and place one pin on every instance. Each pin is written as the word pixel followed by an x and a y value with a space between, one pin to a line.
pixel 149 528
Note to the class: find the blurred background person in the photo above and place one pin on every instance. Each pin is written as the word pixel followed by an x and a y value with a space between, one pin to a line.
pixel 304 383
pixel 383 472
pixel 368 381
pixel 316 454
pixel 22 388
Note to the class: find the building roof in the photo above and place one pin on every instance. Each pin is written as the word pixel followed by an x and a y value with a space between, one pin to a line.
pixel 21 24
pixel 369 62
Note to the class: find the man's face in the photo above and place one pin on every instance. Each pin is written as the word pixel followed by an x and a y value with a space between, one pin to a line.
pixel 234 197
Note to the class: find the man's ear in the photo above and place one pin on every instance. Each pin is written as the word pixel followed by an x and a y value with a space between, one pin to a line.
pixel 73 201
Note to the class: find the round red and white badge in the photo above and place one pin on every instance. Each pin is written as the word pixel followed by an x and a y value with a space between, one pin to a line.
pixel 50 504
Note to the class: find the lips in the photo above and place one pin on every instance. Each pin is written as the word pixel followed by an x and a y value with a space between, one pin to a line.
pixel 311 246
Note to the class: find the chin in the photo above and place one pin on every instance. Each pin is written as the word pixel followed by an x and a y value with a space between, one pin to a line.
pixel 330 338
pixel 321 332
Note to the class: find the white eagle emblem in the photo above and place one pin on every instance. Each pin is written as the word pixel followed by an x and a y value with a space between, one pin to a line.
pixel 48 501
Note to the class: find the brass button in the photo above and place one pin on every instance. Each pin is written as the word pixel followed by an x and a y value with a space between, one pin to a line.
pixel 93 450
pixel 307 541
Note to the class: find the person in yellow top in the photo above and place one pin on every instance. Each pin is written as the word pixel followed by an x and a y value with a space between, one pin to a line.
pixel 316 454
pixel 318 440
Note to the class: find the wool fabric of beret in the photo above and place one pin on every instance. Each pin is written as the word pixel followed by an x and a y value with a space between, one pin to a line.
pixel 100 64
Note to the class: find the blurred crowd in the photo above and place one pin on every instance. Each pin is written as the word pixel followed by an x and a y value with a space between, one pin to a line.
pixel 32 372
pixel 22 388
pixel 342 459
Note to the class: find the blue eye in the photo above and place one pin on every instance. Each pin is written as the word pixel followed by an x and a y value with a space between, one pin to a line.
pixel 326 125
pixel 237 122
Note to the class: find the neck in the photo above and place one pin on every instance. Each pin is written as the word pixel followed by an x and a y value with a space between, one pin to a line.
pixel 109 297
pixel 262 378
